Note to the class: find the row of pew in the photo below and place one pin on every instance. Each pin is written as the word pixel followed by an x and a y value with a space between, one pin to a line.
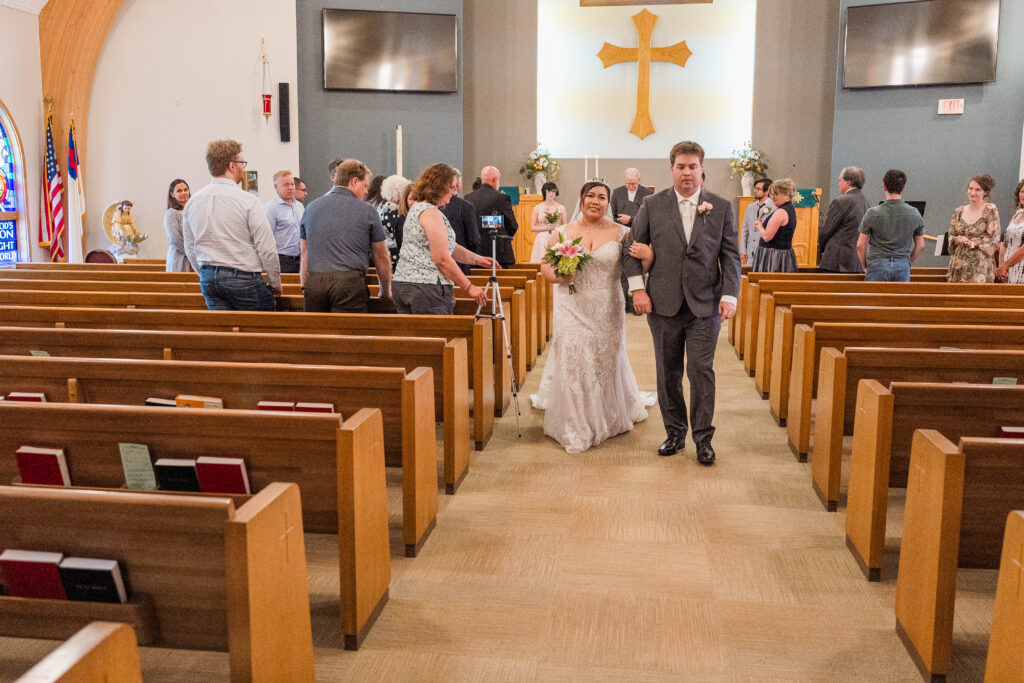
pixel 924 376
pixel 228 573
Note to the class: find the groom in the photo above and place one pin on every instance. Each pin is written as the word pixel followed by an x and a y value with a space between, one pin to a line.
pixel 692 288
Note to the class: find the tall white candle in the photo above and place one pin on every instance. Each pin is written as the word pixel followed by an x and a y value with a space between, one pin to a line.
pixel 597 170
pixel 586 167
pixel 398 149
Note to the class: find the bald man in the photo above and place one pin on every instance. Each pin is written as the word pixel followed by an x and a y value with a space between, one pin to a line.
pixel 490 202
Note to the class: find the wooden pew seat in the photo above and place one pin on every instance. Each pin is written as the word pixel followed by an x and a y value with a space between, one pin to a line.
pixel 100 651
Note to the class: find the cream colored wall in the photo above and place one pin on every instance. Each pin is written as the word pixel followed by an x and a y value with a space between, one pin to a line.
pixel 171 78
pixel 21 92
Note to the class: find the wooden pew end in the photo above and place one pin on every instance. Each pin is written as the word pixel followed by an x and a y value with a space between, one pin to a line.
pixel 450 489
pixel 412 549
pixel 915 656
pixel 353 642
pixel 830 505
pixel 872 573
pixel 800 457
pixel 781 421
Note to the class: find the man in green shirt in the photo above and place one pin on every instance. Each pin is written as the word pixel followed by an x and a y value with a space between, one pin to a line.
pixel 891 234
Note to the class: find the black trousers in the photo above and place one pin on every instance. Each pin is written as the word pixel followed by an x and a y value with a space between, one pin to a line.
pixel 343 291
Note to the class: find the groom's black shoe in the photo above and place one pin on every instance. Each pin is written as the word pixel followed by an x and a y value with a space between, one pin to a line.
pixel 672 444
pixel 705 453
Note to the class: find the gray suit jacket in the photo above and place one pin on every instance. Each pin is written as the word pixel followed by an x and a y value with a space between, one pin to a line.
pixel 621 203
pixel 698 271
pixel 837 239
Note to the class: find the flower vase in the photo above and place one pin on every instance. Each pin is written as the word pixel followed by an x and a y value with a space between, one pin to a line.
pixel 538 181
pixel 747 183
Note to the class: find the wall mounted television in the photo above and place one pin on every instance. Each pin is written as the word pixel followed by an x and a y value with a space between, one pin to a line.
pixel 927 42
pixel 390 51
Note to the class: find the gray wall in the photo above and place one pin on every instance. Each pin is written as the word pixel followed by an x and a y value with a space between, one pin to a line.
pixel 361 125
pixel 882 128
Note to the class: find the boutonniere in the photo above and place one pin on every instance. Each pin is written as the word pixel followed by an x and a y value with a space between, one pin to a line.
pixel 704 209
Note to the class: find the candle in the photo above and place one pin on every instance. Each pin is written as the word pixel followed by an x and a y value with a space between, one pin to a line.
pixel 586 167
pixel 597 171
pixel 398 149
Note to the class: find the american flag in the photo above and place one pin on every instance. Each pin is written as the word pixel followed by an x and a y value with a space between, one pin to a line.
pixel 53 189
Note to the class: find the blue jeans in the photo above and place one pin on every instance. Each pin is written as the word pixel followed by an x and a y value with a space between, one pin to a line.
pixel 888 270
pixel 228 289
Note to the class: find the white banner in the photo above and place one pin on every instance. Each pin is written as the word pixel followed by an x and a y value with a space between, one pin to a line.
pixel 585 108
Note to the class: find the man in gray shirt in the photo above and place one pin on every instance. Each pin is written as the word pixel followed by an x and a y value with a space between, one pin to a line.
pixel 338 235
pixel 758 209
pixel 284 212
pixel 891 234
pixel 226 235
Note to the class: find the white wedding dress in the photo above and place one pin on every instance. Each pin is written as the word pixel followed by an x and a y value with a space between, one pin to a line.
pixel 588 390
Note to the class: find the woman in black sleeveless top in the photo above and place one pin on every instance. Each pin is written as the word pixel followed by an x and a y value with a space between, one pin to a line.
pixel 775 250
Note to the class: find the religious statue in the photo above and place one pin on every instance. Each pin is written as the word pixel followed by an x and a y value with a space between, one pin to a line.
pixel 121 228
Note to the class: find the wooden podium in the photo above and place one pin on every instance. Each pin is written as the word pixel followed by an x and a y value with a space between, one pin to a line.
pixel 522 243
pixel 805 239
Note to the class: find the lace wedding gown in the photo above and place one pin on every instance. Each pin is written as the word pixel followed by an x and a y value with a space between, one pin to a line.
pixel 588 390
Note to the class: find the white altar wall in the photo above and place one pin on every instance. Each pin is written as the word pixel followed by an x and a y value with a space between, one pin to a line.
pixel 583 108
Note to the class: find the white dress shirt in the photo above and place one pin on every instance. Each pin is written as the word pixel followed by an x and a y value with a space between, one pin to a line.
pixel 225 226
pixel 631 194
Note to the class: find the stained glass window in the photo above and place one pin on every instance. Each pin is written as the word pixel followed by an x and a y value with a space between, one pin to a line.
pixel 8 193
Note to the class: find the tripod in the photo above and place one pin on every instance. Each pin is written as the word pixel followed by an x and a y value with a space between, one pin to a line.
pixel 498 313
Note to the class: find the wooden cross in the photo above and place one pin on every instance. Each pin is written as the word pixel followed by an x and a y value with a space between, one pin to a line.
pixel 643 55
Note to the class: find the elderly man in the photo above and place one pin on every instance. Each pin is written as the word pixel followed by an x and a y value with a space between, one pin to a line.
pixel 758 209
pixel 461 216
pixel 337 234
pixel 226 235
pixel 837 239
pixel 284 213
pixel 626 199
pixel 490 202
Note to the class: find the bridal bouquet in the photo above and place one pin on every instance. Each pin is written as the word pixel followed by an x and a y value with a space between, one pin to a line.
pixel 553 217
pixel 567 257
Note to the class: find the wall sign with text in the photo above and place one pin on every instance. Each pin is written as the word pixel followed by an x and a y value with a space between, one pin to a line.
pixel 8 243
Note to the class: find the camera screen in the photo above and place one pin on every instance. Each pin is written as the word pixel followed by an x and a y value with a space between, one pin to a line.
pixel 492 222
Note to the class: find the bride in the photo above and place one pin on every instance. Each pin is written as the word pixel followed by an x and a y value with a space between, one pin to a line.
pixel 588 389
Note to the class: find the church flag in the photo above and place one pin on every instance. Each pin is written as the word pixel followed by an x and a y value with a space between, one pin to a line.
pixel 76 201
pixel 53 188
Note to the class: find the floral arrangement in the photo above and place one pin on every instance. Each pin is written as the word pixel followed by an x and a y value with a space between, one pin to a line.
pixel 567 257
pixel 553 217
pixel 540 161
pixel 748 160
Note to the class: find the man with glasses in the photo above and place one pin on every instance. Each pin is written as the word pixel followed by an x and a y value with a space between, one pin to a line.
pixel 226 234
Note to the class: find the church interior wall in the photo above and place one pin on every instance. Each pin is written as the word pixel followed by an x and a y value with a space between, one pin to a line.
pixel 171 78
pixel 882 128
pixel 21 91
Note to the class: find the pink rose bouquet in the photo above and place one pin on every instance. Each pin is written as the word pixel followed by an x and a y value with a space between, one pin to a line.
pixel 567 257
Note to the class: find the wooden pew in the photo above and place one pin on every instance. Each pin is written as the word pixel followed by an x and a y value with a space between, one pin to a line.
pixel 339 467
pixel 476 332
pixel 842 369
pixel 545 288
pixel 215 577
pixel 446 358
pixel 756 291
pixel 882 434
pixel 99 651
pixel 775 340
pixel 46 265
pixel 958 500
pixel 1005 661
pixel 793 398
pixel 406 402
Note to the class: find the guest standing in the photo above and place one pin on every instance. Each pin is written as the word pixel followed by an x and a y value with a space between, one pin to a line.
pixel 284 213
pixel 974 235
pixel 757 210
pixel 462 217
pixel 891 234
pixel 838 237
pixel 540 224
pixel 391 191
pixel 627 198
pixel 177 194
pixel 1012 269
pixel 427 269
pixel 300 190
pixel 775 250
pixel 489 201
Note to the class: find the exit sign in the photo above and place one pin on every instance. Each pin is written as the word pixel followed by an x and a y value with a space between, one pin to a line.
pixel 951 107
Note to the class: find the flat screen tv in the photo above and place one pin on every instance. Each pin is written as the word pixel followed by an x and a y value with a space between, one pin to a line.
pixel 928 42
pixel 390 51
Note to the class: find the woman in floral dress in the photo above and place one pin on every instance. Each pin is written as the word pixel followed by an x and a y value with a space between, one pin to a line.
pixel 975 235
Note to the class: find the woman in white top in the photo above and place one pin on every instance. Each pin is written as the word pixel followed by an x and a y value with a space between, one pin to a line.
pixel 1012 268
pixel 177 194
pixel 547 217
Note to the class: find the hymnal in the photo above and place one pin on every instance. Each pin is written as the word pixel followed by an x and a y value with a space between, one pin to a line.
pixel 176 474
pixel 276 405
pixel 161 402
pixel 314 407
pixel 38 465
pixel 32 574
pixel 1011 432
pixel 30 396
pixel 189 401
pixel 222 475
pixel 93 580
pixel 138 466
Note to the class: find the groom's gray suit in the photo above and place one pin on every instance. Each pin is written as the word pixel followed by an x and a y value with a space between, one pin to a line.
pixel 686 283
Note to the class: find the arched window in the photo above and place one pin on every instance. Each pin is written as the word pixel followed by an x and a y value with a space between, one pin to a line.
pixel 14 230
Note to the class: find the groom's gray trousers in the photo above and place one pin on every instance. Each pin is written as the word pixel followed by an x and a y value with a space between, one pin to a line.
pixel 681 337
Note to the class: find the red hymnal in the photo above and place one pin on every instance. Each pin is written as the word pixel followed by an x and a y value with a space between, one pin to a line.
pixel 222 475
pixel 33 574
pixel 31 396
pixel 42 466
pixel 288 406
pixel 314 407
pixel 1012 432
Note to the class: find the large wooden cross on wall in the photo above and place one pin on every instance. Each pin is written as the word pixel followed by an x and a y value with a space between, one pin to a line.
pixel 643 55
